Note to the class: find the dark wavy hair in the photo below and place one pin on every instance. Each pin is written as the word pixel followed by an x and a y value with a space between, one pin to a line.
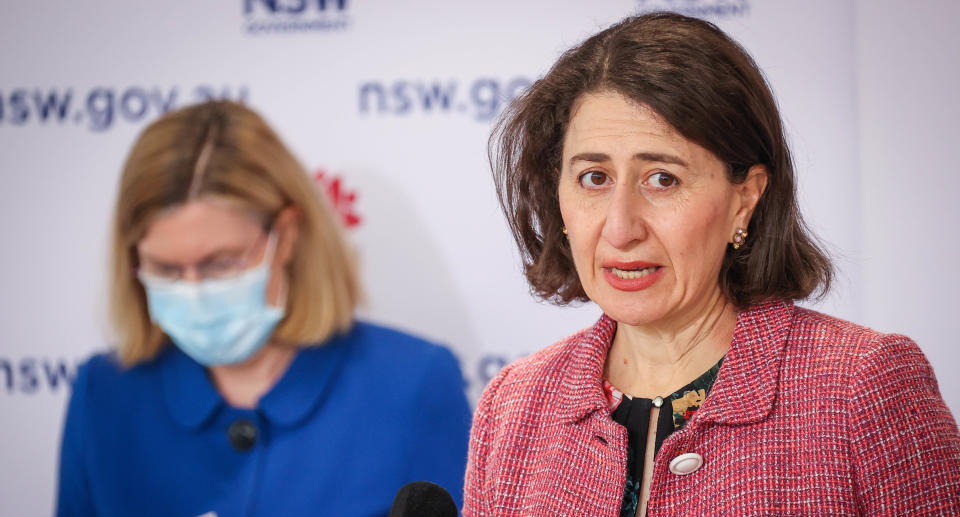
pixel 712 92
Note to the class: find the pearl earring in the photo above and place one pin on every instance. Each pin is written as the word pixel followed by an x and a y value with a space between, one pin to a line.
pixel 739 238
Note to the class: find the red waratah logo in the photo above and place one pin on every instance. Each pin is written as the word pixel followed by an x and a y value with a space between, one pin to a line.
pixel 341 198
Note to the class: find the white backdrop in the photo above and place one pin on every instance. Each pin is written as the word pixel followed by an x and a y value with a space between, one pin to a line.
pixel 393 101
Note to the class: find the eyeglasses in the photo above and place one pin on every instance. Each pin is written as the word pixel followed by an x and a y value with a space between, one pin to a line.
pixel 215 267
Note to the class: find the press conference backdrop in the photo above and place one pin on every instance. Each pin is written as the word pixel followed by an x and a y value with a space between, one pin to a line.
pixel 389 105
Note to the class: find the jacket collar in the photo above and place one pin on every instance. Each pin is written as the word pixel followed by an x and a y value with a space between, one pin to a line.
pixel 188 392
pixel 307 383
pixel 192 399
pixel 745 389
pixel 582 385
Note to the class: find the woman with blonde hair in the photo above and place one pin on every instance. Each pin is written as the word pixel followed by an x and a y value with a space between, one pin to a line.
pixel 241 384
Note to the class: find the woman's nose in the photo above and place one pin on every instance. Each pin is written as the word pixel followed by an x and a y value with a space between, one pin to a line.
pixel 191 274
pixel 625 222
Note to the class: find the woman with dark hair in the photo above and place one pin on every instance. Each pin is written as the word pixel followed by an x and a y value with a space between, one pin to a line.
pixel 648 172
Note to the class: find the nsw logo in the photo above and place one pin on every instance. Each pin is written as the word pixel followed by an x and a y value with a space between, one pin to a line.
pixel 711 9
pixel 291 16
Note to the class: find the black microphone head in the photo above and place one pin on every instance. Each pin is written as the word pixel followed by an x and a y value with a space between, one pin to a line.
pixel 423 499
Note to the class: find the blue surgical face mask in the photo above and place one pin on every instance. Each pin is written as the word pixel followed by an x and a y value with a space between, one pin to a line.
pixel 216 321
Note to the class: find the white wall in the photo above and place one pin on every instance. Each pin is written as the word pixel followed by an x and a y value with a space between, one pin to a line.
pixel 909 113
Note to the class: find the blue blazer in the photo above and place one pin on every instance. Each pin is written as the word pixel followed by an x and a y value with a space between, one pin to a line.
pixel 346 426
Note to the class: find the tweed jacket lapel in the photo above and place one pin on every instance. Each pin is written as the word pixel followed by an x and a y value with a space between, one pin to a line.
pixel 581 390
pixel 587 461
pixel 746 387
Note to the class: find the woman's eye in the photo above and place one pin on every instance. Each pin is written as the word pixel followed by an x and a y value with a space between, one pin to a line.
pixel 662 180
pixel 167 271
pixel 593 179
pixel 223 264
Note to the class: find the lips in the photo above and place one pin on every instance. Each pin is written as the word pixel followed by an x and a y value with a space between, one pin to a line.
pixel 631 276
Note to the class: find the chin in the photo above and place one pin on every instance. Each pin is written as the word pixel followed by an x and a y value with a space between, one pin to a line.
pixel 632 318
pixel 639 307
pixel 635 313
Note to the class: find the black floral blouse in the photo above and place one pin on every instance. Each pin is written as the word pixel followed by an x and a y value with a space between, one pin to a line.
pixel 634 414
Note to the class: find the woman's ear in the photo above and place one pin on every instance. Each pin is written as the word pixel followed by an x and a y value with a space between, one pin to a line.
pixel 287 228
pixel 750 191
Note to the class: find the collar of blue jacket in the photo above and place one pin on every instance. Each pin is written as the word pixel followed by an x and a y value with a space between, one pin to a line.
pixel 193 401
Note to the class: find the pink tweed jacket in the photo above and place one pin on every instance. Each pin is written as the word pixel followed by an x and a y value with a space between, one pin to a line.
pixel 809 415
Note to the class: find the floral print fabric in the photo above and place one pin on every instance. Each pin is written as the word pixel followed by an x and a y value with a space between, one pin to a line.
pixel 683 404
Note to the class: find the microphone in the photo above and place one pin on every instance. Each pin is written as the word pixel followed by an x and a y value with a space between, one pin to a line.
pixel 423 499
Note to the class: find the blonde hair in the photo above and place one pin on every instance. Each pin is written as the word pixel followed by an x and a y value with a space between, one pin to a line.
pixel 225 150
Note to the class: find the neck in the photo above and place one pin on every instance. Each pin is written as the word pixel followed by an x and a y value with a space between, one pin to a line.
pixel 243 384
pixel 656 360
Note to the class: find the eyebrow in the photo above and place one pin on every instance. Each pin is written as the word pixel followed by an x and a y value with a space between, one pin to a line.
pixel 649 157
